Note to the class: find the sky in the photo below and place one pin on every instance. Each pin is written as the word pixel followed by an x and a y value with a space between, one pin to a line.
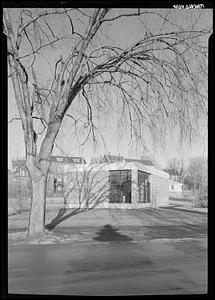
pixel 123 33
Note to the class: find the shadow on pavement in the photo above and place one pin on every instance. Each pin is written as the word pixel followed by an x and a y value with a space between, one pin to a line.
pixel 108 233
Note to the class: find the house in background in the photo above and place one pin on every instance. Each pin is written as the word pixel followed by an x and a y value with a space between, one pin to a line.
pixel 144 162
pixel 96 160
pixel 107 158
pixel 175 189
pixel 173 174
pixel 54 181
pixel 175 186
pixel 57 168
pixel 19 168
pixel 18 181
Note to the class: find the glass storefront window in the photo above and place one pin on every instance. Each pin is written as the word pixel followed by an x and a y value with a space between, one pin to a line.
pixel 120 186
pixel 144 187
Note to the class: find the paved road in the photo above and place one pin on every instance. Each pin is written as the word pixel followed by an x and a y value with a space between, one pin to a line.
pixel 110 268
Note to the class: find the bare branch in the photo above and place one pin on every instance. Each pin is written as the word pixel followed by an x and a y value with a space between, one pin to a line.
pixel 43 15
pixel 14 119
pixel 41 47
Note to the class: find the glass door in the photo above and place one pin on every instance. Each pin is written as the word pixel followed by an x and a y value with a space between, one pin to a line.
pixel 120 186
pixel 144 187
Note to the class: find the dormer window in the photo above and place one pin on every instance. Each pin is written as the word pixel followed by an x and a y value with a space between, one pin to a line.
pixel 60 159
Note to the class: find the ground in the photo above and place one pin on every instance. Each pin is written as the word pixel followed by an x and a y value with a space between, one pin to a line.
pixel 112 252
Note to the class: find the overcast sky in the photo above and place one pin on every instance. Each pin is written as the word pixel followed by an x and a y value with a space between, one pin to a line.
pixel 121 33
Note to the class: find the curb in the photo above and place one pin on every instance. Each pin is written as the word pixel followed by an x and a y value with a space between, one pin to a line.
pixel 75 239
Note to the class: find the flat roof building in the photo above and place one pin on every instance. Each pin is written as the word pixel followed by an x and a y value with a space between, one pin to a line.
pixel 119 184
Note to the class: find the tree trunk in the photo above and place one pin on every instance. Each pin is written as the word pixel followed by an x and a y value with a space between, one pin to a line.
pixel 38 203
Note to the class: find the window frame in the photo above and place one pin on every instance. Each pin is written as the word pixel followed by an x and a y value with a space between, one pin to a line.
pixel 120 183
pixel 146 185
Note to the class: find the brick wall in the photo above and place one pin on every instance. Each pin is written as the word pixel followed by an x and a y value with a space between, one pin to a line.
pixel 88 188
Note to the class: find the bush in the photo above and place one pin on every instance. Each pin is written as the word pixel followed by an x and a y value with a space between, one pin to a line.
pixel 202 199
pixel 201 204
pixel 19 188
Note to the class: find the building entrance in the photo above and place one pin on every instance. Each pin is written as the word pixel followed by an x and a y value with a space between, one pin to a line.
pixel 120 186
pixel 144 187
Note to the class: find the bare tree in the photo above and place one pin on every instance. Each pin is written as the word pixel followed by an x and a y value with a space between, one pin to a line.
pixel 177 168
pixel 196 173
pixel 196 176
pixel 158 81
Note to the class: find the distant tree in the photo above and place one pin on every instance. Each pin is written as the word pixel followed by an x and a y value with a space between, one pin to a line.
pixel 196 173
pixel 197 178
pixel 158 81
pixel 148 156
pixel 177 168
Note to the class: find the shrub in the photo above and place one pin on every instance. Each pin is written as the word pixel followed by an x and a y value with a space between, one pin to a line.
pixel 19 188
pixel 202 199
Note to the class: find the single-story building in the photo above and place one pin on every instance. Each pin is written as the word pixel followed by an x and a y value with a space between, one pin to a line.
pixel 175 189
pixel 115 185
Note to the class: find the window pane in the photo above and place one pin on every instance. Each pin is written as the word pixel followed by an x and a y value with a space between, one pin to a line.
pixel 120 186
pixel 144 187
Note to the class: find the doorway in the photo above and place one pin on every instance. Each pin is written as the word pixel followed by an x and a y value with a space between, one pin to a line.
pixel 120 186
pixel 144 187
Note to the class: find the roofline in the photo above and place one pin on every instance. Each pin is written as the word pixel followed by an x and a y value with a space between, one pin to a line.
pixel 173 181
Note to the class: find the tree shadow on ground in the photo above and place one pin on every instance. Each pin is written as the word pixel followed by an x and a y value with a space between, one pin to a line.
pixel 108 233
pixel 183 209
pixel 62 217
pixel 175 231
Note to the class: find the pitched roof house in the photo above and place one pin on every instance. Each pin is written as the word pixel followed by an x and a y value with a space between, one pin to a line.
pixel 141 161
pixel 68 159
pixel 173 174
pixel 17 164
pixel 112 158
pixel 107 158
pixel 19 167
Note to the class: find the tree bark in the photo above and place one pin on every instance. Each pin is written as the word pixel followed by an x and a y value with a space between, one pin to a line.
pixel 38 204
pixel 38 168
